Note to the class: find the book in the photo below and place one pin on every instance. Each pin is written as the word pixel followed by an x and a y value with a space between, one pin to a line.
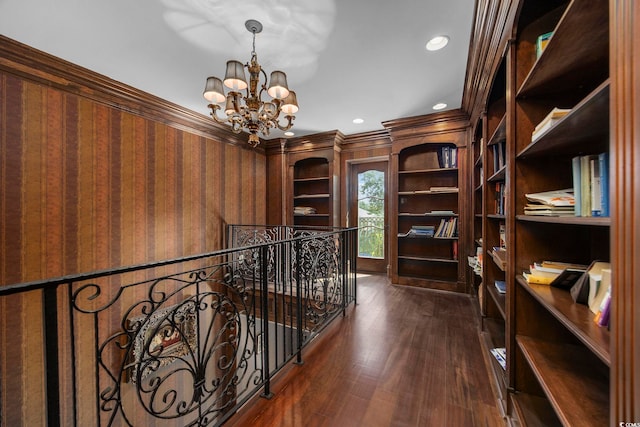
pixel 594 172
pixel 605 286
pixel 602 316
pixel 499 256
pixel 446 156
pixel 501 286
pixel 554 198
pixel 577 186
pixel 603 159
pixel 541 43
pixel 443 190
pixel 560 265
pixel 544 210
pixel 595 281
pixel 585 182
pixel 568 277
pixel 548 122
pixel 538 279
pixel 500 355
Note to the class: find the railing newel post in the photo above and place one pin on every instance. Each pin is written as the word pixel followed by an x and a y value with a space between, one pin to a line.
pixel 299 314
pixel 264 297
pixel 50 307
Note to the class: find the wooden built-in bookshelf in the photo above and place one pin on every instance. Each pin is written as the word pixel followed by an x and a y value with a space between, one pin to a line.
pixel 554 346
pixel 429 186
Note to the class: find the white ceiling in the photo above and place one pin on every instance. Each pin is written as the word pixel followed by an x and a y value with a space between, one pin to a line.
pixel 345 59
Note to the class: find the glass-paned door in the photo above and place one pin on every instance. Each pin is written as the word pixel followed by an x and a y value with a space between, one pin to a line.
pixel 368 210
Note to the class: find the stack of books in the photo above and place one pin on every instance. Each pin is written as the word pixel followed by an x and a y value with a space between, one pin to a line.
pixel 303 210
pixel 551 203
pixel 443 189
pixel 554 273
pixel 548 122
pixel 419 231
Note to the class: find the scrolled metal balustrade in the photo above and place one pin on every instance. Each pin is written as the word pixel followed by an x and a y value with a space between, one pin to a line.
pixel 189 346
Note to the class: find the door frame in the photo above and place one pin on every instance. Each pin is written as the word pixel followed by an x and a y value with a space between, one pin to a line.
pixel 367 264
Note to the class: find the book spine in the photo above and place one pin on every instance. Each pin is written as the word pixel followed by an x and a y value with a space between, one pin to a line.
pixel 594 171
pixel 586 189
pixel 603 160
pixel 577 185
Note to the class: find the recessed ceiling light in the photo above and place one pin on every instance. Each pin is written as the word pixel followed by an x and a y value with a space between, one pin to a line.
pixel 437 43
pixel 358 121
pixel 440 106
pixel 289 133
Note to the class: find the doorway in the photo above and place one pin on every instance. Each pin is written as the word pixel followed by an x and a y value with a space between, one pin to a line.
pixel 368 210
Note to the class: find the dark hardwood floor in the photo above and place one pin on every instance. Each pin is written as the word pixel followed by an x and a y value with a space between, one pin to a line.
pixel 401 357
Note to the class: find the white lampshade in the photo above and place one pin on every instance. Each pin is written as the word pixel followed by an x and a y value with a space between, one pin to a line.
pixel 231 104
pixel 213 91
pixel 290 104
pixel 234 78
pixel 278 85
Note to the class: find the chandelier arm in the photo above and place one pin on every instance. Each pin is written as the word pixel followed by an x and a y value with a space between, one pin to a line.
pixel 214 108
pixel 263 87
pixel 288 125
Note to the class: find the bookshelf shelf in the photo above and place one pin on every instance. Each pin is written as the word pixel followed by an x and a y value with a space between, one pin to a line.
pixel 495 217
pixel 497 261
pixel 577 318
pixel 427 214
pixel 317 179
pixel 428 171
pixel 426 192
pixel 499 299
pixel 427 259
pixel 567 220
pixel 312 196
pixel 573 57
pixel 499 175
pixel 583 129
pixel 534 411
pixel 578 395
pixel 500 133
pixel 493 337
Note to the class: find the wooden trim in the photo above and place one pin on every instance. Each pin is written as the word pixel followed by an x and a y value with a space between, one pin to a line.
pixel 624 17
pixel 34 65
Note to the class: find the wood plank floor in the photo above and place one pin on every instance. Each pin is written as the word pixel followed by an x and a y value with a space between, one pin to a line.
pixel 401 357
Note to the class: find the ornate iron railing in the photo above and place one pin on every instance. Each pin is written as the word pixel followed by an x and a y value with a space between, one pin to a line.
pixel 188 341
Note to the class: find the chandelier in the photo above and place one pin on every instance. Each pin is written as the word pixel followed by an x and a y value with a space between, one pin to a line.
pixel 247 111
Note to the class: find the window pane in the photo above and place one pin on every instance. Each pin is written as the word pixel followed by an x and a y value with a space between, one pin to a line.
pixel 371 214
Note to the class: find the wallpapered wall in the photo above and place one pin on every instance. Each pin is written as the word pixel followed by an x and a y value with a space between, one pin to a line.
pixel 85 185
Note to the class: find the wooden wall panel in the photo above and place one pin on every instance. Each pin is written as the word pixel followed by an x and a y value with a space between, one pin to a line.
pixel 89 181
pixel 625 205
